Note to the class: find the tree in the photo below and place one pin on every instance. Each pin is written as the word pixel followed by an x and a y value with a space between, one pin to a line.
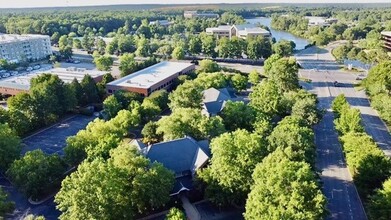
pixel 349 121
pixel 127 64
pixel 380 203
pixel 208 66
pixel 284 48
pixel 90 90
pixel 208 45
pixel 77 90
pixel 111 106
pixel 149 133
pixel 187 95
pixel 5 205
pixel 126 44
pixel 239 82
pixel 284 73
pixel 175 214
pixel 103 63
pixel 295 138
pixel 35 172
pixel 259 47
pixel 235 156
pixel 187 121
pixel 307 110
pixel 178 53
pixel 195 45
pixel 33 217
pixel 266 98
pixel 87 42
pixel 238 115
pixel 269 62
pixel 254 77
pixel 338 104
pixel 284 189
pixel 125 185
pixel 10 146
pixel 142 48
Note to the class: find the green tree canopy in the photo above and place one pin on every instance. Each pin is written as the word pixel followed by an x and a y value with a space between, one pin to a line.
pixel 284 189
pixel 10 146
pixel 35 172
pixel 380 203
pixel 235 156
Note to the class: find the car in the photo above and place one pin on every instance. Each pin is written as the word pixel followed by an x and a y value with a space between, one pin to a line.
pixel 6 75
pixel 37 67
pixel 359 78
pixel 76 61
pixel 335 83
pixel 13 73
pixel 29 69
pixel 3 71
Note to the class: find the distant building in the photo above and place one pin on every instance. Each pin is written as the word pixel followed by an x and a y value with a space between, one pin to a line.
pixel 182 156
pixel 195 14
pixel 17 48
pixel 164 23
pixel 17 84
pixel 320 21
pixel 214 101
pixel 153 78
pixel 243 31
pixel 386 36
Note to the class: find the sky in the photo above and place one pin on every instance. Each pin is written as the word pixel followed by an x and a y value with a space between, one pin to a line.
pixel 58 3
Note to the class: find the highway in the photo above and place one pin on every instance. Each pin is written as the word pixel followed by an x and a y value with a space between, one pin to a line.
pixel 338 187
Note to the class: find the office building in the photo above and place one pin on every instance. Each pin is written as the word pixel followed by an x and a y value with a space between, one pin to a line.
pixel 17 48
pixel 243 31
pixel 150 79
pixel 195 14
pixel 21 83
pixel 320 21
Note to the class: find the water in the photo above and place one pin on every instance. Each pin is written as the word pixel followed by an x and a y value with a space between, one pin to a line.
pixel 278 35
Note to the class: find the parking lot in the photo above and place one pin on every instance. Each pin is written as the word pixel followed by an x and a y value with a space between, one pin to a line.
pixel 53 139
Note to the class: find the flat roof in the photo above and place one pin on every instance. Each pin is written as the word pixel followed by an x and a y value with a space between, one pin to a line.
pixel 22 82
pixel 6 38
pixel 152 75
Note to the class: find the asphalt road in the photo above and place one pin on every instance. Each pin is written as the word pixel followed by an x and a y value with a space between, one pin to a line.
pixel 343 199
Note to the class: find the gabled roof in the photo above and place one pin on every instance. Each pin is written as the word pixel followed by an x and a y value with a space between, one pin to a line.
pixel 178 155
pixel 215 99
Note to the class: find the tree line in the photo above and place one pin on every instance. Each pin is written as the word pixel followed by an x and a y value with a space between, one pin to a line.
pixel 369 166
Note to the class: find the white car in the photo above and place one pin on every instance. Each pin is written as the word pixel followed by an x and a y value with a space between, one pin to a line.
pixel 29 69
pixel 37 67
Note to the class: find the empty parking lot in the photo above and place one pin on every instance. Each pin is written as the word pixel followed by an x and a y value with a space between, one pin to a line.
pixel 53 139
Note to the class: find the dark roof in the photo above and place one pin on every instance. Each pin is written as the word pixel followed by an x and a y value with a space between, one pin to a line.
pixel 179 155
pixel 215 99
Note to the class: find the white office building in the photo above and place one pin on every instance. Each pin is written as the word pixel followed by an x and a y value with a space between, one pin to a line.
pixel 16 48
pixel 243 31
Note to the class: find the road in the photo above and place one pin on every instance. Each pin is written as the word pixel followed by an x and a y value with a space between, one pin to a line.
pixel 343 199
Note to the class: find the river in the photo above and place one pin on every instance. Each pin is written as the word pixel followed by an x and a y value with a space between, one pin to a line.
pixel 278 35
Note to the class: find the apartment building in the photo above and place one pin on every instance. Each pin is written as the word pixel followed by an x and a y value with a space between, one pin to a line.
pixel 195 14
pixel 243 31
pixel 16 48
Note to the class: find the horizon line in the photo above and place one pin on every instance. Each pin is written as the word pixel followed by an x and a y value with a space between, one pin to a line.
pixel 165 4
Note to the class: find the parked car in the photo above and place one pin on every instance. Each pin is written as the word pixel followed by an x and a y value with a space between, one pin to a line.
pixel 335 83
pixel 29 69
pixel 13 73
pixel 37 67
pixel 76 61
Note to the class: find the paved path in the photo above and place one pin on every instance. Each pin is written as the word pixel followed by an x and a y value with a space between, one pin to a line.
pixel 191 212
pixel 338 187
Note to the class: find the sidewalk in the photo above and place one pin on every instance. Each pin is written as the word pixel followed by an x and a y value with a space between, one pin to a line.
pixel 191 212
